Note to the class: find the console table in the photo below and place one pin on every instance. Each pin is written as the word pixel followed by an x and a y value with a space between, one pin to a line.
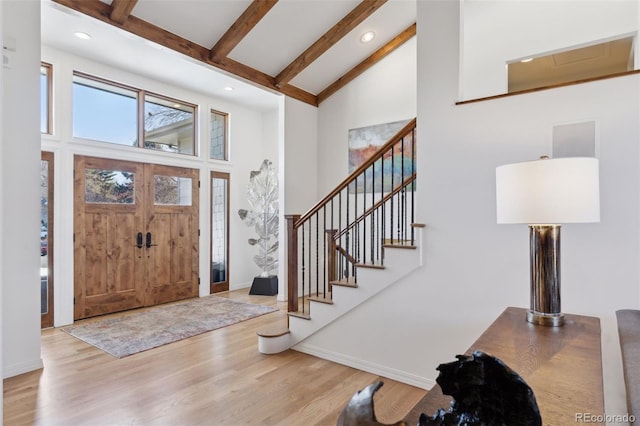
pixel 563 366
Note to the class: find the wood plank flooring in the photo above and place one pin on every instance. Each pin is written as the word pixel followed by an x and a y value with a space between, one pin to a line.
pixel 216 378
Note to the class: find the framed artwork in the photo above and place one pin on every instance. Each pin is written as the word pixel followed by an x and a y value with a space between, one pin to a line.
pixel 395 165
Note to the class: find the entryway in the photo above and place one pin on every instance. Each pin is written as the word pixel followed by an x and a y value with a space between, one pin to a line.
pixel 135 235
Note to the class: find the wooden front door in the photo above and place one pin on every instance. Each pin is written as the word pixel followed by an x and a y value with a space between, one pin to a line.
pixel 171 216
pixel 135 235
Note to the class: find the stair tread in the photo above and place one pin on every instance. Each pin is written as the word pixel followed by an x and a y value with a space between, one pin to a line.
pixel 345 283
pixel 273 331
pixel 370 265
pixel 303 315
pixel 400 246
pixel 322 299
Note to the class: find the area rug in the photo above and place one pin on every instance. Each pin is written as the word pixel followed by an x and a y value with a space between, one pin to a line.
pixel 135 332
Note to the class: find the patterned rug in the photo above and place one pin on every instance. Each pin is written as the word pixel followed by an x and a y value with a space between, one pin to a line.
pixel 135 332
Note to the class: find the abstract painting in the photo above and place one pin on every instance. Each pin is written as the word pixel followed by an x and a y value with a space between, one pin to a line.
pixel 395 166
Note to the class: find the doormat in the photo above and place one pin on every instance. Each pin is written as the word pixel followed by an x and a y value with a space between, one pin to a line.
pixel 134 332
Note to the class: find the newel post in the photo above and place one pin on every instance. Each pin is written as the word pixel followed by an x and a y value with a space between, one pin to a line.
pixel 292 262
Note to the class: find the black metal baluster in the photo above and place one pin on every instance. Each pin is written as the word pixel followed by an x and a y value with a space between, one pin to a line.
pixel 317 254
pixel 324 250
pixel 392 188
pixel 413 181
pixel 356 251
pixel 309 258
pixel 373 203
pixel 364 219
pixel 303 266
pixel 347 236
pixel 401 207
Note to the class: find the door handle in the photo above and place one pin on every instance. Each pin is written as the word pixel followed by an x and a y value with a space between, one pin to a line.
pixel 149 240
pixel 139 240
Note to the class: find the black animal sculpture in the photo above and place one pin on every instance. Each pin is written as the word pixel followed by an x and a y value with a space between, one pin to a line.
pixel 485 390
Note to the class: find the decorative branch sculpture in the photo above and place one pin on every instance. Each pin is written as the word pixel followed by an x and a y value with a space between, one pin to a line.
pixel 262 194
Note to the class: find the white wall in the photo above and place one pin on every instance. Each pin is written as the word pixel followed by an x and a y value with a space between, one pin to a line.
pixel 20 200
pixel 467 254
pixel 495 32
pixel 246 135
pixel 299 181
pixel 384 93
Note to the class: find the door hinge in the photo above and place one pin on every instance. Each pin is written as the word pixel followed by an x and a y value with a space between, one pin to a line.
pixel 198 232
pixel 198 280
pixel 74 237
pixel 198 184
pixel 74 300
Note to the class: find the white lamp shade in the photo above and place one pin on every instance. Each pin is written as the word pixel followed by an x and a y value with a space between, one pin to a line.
pixel 548 191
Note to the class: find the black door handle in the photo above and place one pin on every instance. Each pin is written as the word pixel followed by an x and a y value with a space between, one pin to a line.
pixel 149 240
pixel 139 240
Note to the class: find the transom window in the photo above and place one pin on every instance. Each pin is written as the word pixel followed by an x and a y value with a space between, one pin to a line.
pixel 218 141
pixel 45 97
pixel 109 112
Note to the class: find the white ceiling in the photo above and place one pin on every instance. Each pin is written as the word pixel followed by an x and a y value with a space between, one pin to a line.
pixel 289 28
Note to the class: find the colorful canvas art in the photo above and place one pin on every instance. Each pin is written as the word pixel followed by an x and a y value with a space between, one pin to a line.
pixel 395 166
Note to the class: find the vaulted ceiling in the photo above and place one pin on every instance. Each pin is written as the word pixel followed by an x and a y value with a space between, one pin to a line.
pixel 305 49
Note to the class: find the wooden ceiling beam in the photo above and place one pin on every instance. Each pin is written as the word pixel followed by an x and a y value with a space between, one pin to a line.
pixel 331 37
pixel 376 56
pixel 102 11
pixel 245 23
pixel 121 9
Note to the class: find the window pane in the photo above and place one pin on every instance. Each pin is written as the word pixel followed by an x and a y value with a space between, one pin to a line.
pixel 104 112
pixel 44 99
pixel 218 149
pixel 218 230
pixel 44 237
pixel 108 186
pixel 172 190
pixel 168 126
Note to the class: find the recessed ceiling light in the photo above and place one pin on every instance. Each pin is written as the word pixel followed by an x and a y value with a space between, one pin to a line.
pixel 367 37
pixel 228 89
pixel 527 60
pixel 177 105
pixel 83 36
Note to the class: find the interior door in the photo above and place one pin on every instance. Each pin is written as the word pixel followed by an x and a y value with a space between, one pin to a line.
pixel 171 237
pixel 135 235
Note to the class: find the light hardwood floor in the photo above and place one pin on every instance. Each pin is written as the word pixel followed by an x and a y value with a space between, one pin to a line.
pixel 216 378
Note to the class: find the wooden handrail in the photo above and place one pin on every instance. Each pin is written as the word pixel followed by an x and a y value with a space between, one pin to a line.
pixel 343 252
pixel 357 172
pixel 386 198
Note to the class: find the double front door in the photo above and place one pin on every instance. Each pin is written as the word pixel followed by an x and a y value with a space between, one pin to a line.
pixel 135 235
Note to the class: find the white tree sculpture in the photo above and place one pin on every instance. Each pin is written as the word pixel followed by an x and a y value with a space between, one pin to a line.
pixel 262 194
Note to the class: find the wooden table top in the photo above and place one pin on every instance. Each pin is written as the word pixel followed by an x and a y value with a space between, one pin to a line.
pixel 563 365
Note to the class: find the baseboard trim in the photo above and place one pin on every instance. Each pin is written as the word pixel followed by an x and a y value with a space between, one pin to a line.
pixel 370 367
pixel 22 367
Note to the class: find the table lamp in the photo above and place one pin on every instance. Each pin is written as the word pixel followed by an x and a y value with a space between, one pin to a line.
pixel 544 194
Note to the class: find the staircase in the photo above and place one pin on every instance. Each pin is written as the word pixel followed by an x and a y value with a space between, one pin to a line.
pixel 357 241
